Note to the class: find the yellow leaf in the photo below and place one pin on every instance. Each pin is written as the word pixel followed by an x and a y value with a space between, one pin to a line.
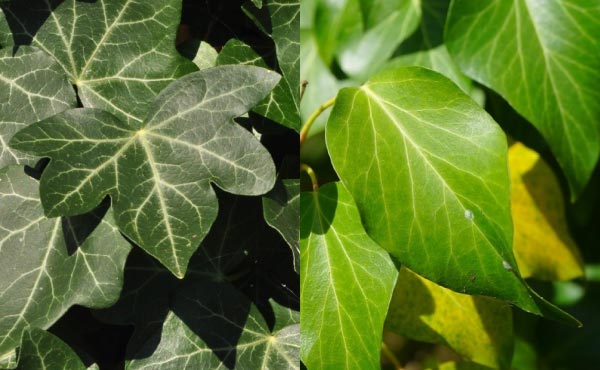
pixel 542 244
pixel 477 328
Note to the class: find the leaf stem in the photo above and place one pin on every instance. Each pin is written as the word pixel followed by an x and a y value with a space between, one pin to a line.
pixel 303 85
pixel 391 356
pixel 313 176
pixel 313 117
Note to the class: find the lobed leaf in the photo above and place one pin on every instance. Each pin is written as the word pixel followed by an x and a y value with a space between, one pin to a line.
pixel 159 174
pixel 541 56
pixel 42 350
pixel 39 278
pixel 431 181
pixel 120 54
pixel 32 87
pixel 346 283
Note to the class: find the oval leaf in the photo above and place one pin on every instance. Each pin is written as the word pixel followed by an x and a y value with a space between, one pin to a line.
pixel 430 180
pixel 159 175
pixel 346 283
pixel 542 57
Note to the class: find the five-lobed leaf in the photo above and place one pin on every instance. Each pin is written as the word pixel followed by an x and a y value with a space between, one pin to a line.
pixel 431 181
pixel 32 87
pixel 346 283
pixel 214 326
pixel 39 280
pixel 542 57
pixel 120 54
pixel 159 173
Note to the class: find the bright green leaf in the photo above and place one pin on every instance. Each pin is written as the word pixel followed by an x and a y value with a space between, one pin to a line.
pixel 363 56
pixel 281 209
pixel 32 87
pixel 159 174
pixel 213 326
pixel 541 56
pixel 335 24
pixel 39 280
pixel 43 351
pixel 478 328
pixel 428 170
pixel 346 283
pixel 120 54
pixel 280 105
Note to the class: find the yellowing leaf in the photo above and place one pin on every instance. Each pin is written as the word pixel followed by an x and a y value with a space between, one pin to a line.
pixel 478 328
pixel 542 244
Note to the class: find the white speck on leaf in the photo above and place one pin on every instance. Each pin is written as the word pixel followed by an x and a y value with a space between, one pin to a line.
pixel 469 215
pixel 506 266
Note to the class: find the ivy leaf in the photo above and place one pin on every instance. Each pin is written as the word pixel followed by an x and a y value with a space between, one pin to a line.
pixel 119 54
pixel 543 245
pixel 346 283
pixel 431 181
pixel 280 105
pixel 281 209
pixel 385 28
pixel 42 350
pixel 212 325
pixel 479 329
pixel 39 280
pixel 159 173
pixel 543 60
pixel 32 87
pixel 6 38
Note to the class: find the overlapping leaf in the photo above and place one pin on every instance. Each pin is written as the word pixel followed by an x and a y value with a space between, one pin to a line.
pixel 280 106
pixel 543 245
pixel 346 284
pixel 39 280
pixel 281 208
pixel 120 54
pixel 159 175
pixel 431 181
pixel 541 56
pixel 214 326
pixel 478 328
pixel 32 87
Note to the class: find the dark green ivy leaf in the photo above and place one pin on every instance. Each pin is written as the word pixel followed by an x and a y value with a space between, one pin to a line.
pixel 43 351
pixel 39 280
pixel 159 172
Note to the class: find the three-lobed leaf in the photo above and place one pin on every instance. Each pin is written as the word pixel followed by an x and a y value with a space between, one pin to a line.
pixel 119 54
pixel 159 173
pixel 542 57
pixel 431 181
pixel 346 283
pixel 39 278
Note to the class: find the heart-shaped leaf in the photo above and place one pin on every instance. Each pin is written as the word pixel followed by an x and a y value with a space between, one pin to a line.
pixel 39 280
pixel 543 59
pixel 120 54
pixel 212 326
pixel 431 181
pixel 32 87
pixel 159 174
pixel 346 283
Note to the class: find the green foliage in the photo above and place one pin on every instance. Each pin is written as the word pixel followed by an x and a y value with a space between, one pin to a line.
pixel 420 150
pixel 148 183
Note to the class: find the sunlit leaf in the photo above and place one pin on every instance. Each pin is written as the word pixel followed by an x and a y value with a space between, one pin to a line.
pixel 346 283
pixel 542 57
